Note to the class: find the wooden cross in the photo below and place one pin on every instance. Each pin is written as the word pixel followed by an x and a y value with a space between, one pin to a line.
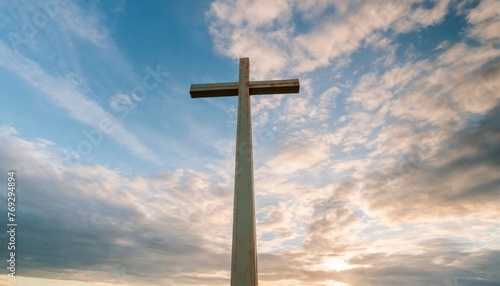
pixel 244 250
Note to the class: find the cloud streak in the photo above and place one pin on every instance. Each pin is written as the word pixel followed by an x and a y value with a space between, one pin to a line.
pixel 383 171
pixel 123 229
pixel 64 94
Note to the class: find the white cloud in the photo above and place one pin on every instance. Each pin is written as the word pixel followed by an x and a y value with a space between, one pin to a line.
pixel 422 17
pixel 413 183
pixel 486 21
pixel 120 101
pixel 86 24
pixel 272 41
pixel 487 31
pixel 461 81
pixel 64 94
pixel 168 214
pixel 327 102
pixel 295 158
pixel 262 12
pixel 241 22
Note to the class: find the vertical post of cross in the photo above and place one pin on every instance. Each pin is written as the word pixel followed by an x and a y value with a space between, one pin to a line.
pixel 244 252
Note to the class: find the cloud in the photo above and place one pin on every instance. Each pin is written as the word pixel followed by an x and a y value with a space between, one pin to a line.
pixel 434 105
pixel 64 94
pixel 274 42
pixel 43 53
pixel 93 220
pixel 85 23
pixel 297 158
pixel 242 23
pixel 122 101
pixel 485 21
pixel 401 190
pixel 431 183
pixel 442 96
pixel 428 182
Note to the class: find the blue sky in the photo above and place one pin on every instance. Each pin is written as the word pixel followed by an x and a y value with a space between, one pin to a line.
pixel 382 171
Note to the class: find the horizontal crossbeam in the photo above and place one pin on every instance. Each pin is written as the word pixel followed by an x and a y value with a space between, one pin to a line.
pixel 255 87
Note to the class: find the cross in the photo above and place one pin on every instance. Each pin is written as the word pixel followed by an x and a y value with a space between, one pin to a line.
pixel 244 250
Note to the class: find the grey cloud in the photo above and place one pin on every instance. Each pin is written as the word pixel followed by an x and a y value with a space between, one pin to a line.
pixel 463 171
pixel 85 220
pixel 419 269
pixel 471 268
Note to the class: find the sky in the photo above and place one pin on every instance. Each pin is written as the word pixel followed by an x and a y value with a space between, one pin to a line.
pixel 383 170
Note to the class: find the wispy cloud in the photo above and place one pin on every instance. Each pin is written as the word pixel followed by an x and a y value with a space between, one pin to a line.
pixel 86 24
pixel 275 43
pixel 122 101
pixel 100 204
pixel 42 52
pixel 400 156
pixel 383 171
pixel 127 227
pixel 64 94
pixel 486 22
